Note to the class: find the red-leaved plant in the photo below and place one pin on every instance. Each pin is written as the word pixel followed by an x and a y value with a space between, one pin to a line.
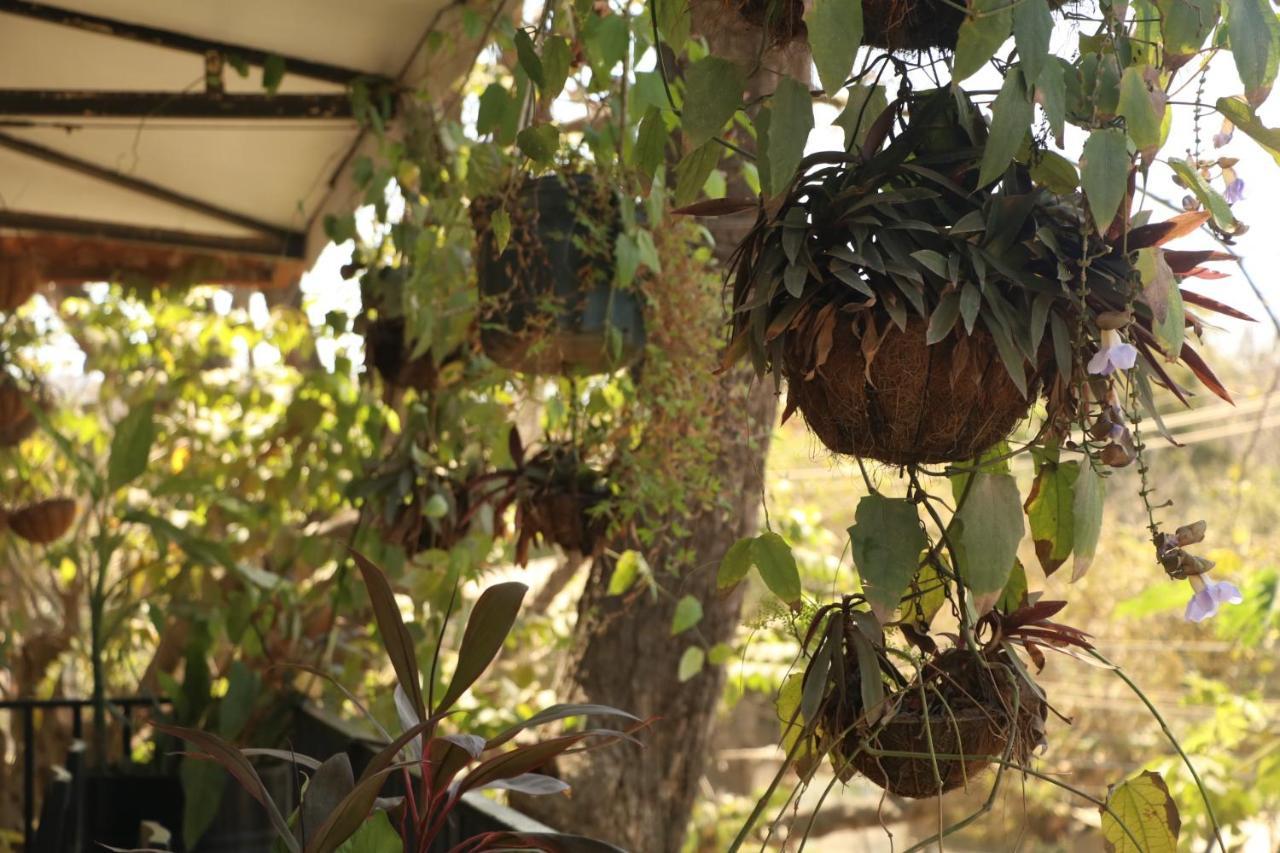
pixel 438 768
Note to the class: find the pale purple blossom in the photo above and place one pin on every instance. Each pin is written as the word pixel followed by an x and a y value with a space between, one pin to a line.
pixel 1235 190
pixel 1113 355
pixel 1209 596
pixel 1221 139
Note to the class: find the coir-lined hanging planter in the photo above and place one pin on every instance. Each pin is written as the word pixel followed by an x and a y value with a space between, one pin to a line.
pixel 43 522
pixel 19 280
pixel 550 300
pixel 16 420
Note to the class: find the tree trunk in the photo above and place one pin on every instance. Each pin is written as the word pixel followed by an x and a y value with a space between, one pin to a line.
pixel 625 655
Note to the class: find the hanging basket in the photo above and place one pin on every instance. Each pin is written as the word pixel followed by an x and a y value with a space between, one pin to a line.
pixel 914 403
pixel 560 500
pixel 16 421
pixel 971 713
pixel 43 522
pixel 387 351
pixel 549 301
pixel 19 280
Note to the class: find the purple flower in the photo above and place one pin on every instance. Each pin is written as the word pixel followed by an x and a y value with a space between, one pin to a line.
pixel 1235 191
pixel 1209 596
pixel 1221 139
pixel 1113 355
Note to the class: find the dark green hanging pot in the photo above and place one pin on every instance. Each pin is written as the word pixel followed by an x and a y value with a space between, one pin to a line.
pixel 549 302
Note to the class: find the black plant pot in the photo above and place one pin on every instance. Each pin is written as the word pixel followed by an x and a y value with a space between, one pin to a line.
pixel 116 804
pixel 550 301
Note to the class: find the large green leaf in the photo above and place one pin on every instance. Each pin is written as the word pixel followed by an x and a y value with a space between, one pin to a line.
pixel 487 629
pixel 886 539
pixel 1086 510
pixel 539 142
pixel 713 93
pixel 688 613
pixel 375 835
pixel 692 171
pixel 1051 94
pixel 557 57
pixel 991 526
pixel 791 119
pixel 1255 45
pixel 1185 24
pixel 1011 118
pixel 1161 293
pixel 1204 193
pixel 1141 816
pixel 527 55
pixel 1050 514
pixel 777 566
pixel 691 663
pixel 1104 173
pixel 651 144
pixel 1246 120
pixel 835 32
pixel 1032 26
pixel 630 565
pixel 131 446
pixel 1138 105
pixel 987 26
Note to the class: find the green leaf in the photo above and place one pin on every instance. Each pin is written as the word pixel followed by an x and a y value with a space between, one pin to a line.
pixel 789 716
pixel 970 304
pixel 835 33
pixel 605 39
pixel 693 170
pixel 1049 512
pixel 1051 93
pixel 1086 511
pixel 539 142
pixel 1206 194
pixel 203 783
pixel 375 835
pixel 688 613
pixel 933 594
pixel 943 318
pixel 986 27
pixel 720 653
pixel 1138 106
pixel 691 663
pixel 735 564
pixel 1161 293
pixel 236 706
pixel 713 93
pixel 1255 45
pixel 1055 173
pixel 674 22
pixel 1032 26
pixel 777 566
pixel 1239 114
pixel 131 446
pixel 1143 806
pixel 865 103
pixel 788 130
pixel 494 104
pixel 991 527
pixel 1015 591
pixel 272 73
pixel 1104 172
pixel 886 539
pixel 651 144
pixel 527 55
pixel 557 56
pixel 396 640
pixel 487 629
pixel 1012 113
pixel 500 225
pixel 631 564
pixel 1185 24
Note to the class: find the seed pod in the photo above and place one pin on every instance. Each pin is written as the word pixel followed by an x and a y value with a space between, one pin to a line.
pixel 1190 534
pixel 43 522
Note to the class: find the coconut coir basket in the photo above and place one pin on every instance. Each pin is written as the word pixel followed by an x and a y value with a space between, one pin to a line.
pixel 971 713
pixel 916 403
pixel 901 25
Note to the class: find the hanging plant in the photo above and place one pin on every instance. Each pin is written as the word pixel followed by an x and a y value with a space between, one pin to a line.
pixel 550 278
pixel 916 309
pixel 19 280
pixel 16 420
pixel 560 499
pixel 43 522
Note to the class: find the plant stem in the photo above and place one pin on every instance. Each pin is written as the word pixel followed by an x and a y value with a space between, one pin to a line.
pixel 1204 794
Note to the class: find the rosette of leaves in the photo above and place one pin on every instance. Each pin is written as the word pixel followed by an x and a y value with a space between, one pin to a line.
pixel 916 311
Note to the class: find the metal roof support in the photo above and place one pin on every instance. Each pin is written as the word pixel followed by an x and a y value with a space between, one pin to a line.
pixel 181 41
pixel 105 104
pixel 286 247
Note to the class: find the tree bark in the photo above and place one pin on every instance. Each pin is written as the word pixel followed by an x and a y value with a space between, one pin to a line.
pixel 641 799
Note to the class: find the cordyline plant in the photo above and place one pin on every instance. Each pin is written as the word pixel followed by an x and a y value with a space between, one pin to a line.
pixel 437 768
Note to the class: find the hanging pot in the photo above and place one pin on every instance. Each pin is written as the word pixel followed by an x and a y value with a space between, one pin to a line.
pixel 973 714
pixel 387 351
pixel 16 422
pixel 43 522
pixel 19 280
pixel 550 303
pixel 914 402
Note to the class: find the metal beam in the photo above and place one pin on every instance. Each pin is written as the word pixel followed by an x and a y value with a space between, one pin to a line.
pixel 196 105
pixel 128 182
pixel 181 41
pixel 288 247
